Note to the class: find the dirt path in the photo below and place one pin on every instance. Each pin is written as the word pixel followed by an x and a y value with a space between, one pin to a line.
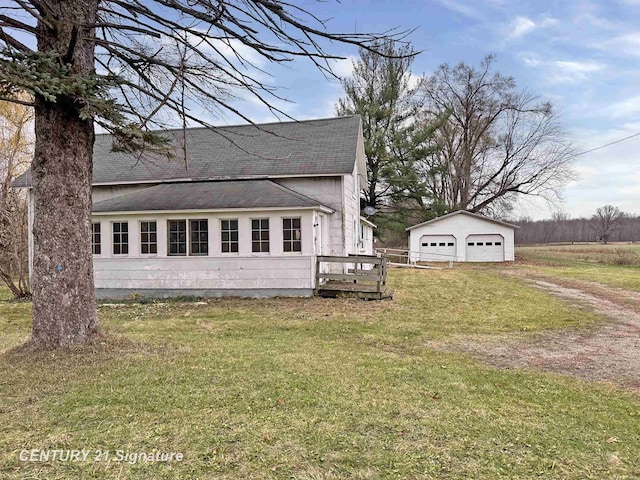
pixel 609 352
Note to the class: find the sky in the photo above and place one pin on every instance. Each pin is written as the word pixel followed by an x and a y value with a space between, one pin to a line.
pixel 582 56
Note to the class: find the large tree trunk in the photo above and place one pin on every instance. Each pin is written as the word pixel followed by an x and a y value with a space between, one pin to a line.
pixel 64 305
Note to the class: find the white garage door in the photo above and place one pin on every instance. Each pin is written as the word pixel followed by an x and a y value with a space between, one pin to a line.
pixel 485 248
pixel 437 248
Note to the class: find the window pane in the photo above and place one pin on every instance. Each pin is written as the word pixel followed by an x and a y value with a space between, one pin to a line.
pixel 229 236
pixel 260 235
pixel 177 237
pixel 96 239
pixel 120 238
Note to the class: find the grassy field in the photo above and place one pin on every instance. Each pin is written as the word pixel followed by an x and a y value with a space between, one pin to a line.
pixel 315 389
pixel 617 265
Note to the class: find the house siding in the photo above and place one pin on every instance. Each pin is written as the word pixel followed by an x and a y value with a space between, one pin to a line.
pixel 327 191
pixel 277 271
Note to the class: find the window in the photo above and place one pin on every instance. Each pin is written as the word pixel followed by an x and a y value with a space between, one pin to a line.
pixel 497 244
pixel 450 244
pixel 488 244
pixel 442 244
pixel 120 238
pixel 425 244
pixel 199 237
pixel 96 246
pixel 260 235
pixel 479 244
pixel 148 238
pixel 433 244
pixel 177 237
pixel 292 235
pixel 229 231
pixel 470 244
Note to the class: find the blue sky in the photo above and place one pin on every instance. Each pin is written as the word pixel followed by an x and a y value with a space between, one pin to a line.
pixel 582 56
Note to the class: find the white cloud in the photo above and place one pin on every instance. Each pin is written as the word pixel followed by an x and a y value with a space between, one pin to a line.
pixel 521 26
pixel 343 67
pixel 628 44
pixel 461 8
pixel 627 110
pixel 556 72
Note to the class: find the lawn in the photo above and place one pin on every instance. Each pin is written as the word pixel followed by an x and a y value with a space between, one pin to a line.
pixel 616 265
pixel 315 389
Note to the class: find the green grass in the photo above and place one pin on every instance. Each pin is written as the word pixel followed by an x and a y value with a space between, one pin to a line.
pixel 616 265
pixel 316 389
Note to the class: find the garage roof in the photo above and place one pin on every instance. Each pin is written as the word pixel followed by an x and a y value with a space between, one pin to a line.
pixel 464 212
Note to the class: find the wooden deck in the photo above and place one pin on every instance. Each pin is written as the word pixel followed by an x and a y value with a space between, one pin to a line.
pixel 363 276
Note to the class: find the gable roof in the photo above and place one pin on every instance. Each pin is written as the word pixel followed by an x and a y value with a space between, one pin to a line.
pixel 241 194
pixel 282 149
pixel 464 212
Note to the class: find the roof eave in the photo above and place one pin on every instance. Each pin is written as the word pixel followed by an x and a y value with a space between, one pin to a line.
pixel 321 208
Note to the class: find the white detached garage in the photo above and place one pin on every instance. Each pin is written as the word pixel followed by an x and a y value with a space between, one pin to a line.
pixel 462 237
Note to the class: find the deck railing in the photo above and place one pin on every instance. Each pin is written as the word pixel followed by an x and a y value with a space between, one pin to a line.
pixel 366 273
pixel 402 257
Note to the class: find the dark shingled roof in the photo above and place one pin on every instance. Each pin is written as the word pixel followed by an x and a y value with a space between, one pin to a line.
pixel 312 147
pixel 207 196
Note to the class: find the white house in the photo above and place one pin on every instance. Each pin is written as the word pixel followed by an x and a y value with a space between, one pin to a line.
pixel 462 237
pixel 246 214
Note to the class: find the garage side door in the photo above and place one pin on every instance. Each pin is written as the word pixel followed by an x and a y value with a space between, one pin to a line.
pixel 437 248
pixel 485 248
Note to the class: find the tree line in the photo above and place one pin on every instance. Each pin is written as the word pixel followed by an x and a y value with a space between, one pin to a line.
pixel 608 224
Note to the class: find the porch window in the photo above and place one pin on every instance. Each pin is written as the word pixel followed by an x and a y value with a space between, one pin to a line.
pixel 229 235
pixel 260 235
pixel 120 238
pixel 177 237
pixel 199 237
pixel 292 234
pixel 96 243
pixel 148 238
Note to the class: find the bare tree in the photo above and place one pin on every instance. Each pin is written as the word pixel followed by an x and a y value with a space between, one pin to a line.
pixel 128 66
pixel 498 143
pixel 16 149
pixel 605 221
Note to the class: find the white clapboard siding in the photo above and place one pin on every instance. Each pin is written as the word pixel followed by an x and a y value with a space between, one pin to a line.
pixel 204 273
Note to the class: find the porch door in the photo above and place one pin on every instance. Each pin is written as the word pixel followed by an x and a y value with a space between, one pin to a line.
pixel 321 240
